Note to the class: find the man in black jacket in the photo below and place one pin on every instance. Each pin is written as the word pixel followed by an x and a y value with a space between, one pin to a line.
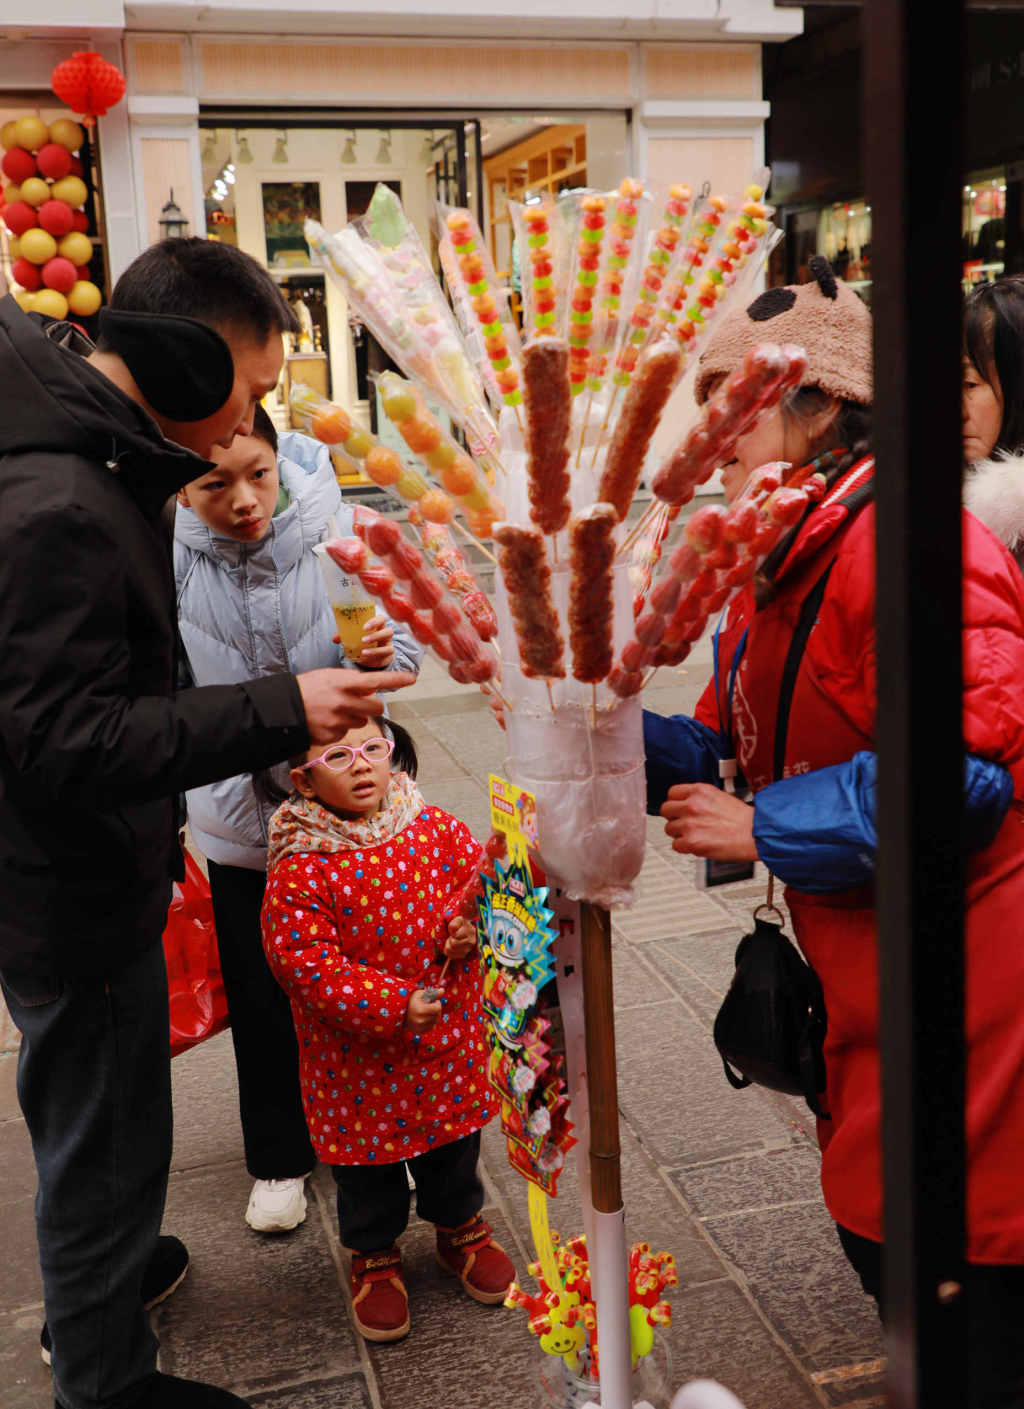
pixel 95 744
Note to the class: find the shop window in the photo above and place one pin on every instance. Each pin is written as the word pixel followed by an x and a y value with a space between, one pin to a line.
pixel 984 227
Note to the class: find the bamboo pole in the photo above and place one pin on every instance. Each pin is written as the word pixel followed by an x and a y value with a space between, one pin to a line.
pixel 602 1080
pixel 608 1256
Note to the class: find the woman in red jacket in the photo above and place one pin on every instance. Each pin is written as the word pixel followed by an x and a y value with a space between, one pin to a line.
pixel 392 1054
pixel 812 818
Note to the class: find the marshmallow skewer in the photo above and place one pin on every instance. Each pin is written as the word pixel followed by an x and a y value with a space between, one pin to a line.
pixel 381 303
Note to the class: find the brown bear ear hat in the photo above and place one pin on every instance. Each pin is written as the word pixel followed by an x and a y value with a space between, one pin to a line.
pixel 824 316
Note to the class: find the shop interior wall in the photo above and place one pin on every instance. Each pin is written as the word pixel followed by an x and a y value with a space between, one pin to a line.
pixel 314 154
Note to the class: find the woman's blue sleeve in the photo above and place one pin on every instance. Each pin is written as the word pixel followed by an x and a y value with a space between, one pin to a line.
pixel 816 831
pixel 677 749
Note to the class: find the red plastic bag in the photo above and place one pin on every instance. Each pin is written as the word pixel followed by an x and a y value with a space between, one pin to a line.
pixel 199 1008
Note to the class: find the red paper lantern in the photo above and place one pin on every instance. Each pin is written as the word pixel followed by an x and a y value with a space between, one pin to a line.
pixel 88 84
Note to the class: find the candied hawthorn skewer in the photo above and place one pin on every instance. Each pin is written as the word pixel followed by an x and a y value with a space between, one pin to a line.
pixel 470 253
pixel 581 306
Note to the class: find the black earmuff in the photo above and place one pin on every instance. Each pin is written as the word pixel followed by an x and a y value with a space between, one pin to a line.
pixel 183 368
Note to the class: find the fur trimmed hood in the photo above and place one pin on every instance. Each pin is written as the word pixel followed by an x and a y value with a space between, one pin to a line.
pixel 994 493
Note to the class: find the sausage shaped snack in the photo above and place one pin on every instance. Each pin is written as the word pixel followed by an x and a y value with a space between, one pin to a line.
pixel 548 403
pixel 591 608
pixel 645 400
pixel 527 578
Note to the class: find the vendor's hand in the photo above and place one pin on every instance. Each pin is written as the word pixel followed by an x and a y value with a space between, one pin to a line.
pixel 338 700
pixel 421 1015
pixel 378 651
pixel 705 821
pixel 461 938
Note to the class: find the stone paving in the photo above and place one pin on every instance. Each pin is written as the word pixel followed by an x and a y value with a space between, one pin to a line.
pixel 726 1180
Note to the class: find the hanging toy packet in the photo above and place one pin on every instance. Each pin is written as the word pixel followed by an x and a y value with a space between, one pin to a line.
pixel 515 932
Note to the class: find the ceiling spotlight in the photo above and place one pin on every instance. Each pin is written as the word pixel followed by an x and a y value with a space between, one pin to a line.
pixel 281 149
pixel 244 154
pixel 229 173
pixel 348 154
pixel 384 150
pixel 427 149
pixel 210 149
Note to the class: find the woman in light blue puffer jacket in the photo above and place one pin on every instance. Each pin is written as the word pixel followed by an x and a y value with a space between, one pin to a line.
pixel 250 604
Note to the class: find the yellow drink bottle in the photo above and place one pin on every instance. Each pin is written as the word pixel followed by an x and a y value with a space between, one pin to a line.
pixel 351 603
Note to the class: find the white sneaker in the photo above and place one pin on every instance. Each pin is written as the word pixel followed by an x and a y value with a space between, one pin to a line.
pixel 277 1205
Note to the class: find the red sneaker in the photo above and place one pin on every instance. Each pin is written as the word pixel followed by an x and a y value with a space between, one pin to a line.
pixel 481 1264
pixel 379 1298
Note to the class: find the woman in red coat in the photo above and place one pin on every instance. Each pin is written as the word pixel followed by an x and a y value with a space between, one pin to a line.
pixel 392 1055
pixel 812 819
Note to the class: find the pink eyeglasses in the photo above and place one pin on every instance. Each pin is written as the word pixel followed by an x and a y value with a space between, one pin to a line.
pixel 339 758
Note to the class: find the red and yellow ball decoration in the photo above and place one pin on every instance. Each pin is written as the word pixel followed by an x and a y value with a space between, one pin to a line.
pixel 43 210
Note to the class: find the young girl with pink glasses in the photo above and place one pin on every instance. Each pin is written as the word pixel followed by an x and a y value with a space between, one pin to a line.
pixel 385 994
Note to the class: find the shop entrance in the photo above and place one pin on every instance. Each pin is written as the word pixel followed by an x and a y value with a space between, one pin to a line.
pixel 264 175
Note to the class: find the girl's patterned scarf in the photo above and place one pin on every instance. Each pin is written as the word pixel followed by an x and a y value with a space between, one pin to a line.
pixel 304 824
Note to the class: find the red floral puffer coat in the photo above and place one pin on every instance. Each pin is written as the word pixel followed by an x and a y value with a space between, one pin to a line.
pixel 351 930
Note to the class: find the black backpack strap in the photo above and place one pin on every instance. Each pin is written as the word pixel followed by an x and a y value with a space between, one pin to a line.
pixel 853 502
pixel 808 615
